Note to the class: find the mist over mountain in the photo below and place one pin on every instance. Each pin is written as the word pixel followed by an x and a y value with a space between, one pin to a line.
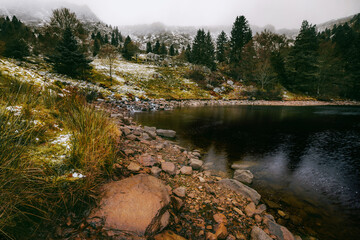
pixel 36 13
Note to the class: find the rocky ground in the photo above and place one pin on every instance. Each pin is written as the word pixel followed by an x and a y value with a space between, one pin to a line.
pixel 162 191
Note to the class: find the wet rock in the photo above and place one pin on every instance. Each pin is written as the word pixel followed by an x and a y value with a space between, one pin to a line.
pixel 168 235
pixel 186 170
pixel 155 171
pixel 281 232
pixel 134 167
pixel 146 160
pixel 241 189
pixel 244 176
pixel 168 167
pixel 137 205
pixel 272 204
pixel 195 163
pixel 281 213
pixel 180 192
pixel 258 234
pixel 250 209
pixel 166 133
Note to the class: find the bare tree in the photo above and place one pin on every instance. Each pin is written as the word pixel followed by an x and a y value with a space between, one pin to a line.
pixel 63 18
pixel 110 53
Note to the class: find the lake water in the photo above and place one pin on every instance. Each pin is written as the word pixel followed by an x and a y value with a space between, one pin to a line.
pixel 305 160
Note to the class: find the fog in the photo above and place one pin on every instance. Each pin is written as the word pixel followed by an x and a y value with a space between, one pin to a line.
pixel 280 13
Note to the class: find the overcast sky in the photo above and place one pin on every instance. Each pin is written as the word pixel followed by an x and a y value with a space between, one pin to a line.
pixel 280 13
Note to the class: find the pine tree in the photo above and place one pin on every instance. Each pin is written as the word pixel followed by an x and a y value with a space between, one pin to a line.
pixel 188 53
pixel 68 59
pixel 148 47
pixel 221 47
pixel 114 40
pixel 156 49
pixel 163 49
pixel 172 50
pixel 240 35
pixel 17 49
pixel 209 52
pixel 129 49
pixel 96 47
pixel 303 60
pixel 203 50
pixel 106 39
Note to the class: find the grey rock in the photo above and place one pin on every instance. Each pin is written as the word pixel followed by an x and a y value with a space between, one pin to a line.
pixel 186 170
pixel 155 171
pixel 281 232
pixel 244 176
pixel 241 189
pixel 168 167
pixel 166 133
pixel 149 129
pixel 134 167
pixel 196 164
pixel 259 234
pixel 180 192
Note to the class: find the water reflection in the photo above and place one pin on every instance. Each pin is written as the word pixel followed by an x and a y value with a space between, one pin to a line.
pixel 305 158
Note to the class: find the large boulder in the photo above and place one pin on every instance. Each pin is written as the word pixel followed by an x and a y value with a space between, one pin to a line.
pixel 281 232
pixel 244 176
pixel 259 234
pixel 196 164
pixel 136 205
pixel 241 189
pixel 166 133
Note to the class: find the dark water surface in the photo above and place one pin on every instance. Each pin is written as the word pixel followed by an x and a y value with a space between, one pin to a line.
pixel 305 159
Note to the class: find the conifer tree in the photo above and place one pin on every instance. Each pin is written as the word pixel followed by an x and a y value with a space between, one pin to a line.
pixel 156 49
pixel 221 47
pixel 96 47
pixel 172 50
pixel 303 60
pixel 129 49
pixel 68 59
pixel 240 35
pixel 148 47
pixel 163 49
pixel 188 53
pixel 203 50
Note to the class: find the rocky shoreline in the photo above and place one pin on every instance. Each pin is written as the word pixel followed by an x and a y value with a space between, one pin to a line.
pixel 160 104
pixel 161 190
pixel 172 194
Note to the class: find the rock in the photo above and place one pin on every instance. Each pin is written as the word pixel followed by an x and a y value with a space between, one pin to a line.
pixel 168 235
pixel 180 192
pixel 238 211
pixel 129 152
pixel 146 137
pixel 272 204
pixel 281 213
pixel 186 170
pixel 127 121
pixel 155 171
pixel 281 232
pixel 220 218
pixel 152 135
pixel 166 133
pixel 137 205
pixel 146 160
pixel 210 236
pixel 241 189
pixel 297 237
pixel 258 234
pixel 136 133
pixel 202 180
pixel 168 167
pixel 244 176
pixel 250 209
pixel 258 218
pixel 149 129
pixel 126 131
pixel 221 231
pixel 268 217
pixel 116 115
pixel 131 137
pixel 178 203
pixel 133 167
pixel 196 164
pixel 260 209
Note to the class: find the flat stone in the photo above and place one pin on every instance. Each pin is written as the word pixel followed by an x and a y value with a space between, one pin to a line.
pixel 168 167
pixel 220 218
pixel 259 234
pixel 134 167
pixel 241 189
pixel 196 164
pixel 186 170
pixel 244 176
pixel 250 209
pixel 166 133
pixel 155 171
pixel 149 129
pixel 180 192
pixel 146 160
pixel 136 205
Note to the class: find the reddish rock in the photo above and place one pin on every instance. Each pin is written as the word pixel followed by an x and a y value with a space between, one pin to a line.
pixel 180 192
pixel 146 160
pixel 168 167
pixel 220 218
pixel 221 231
pixel 136 205
pixel 168 235
pixel 134 167
pixel 250 209
pixel 186 170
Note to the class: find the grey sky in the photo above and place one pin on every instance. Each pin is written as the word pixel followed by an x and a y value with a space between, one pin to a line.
pixel 280 13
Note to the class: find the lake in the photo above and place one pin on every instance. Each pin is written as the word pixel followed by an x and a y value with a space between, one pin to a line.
pixel 305 160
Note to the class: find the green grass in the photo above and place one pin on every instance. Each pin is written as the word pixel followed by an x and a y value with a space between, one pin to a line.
pixel 35 190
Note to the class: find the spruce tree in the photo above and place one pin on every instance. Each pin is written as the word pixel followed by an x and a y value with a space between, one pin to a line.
pixel 163 49
pixel 172 50
pixel 209 52
pixel 148 47
pixel 156 49
pixel 240 35
pixel 221 47
pixel 188 53
pixel 17 49
pixel 303 60
pixel 68 59
pixel 129 49
pixel 96 47
pixel 203 50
